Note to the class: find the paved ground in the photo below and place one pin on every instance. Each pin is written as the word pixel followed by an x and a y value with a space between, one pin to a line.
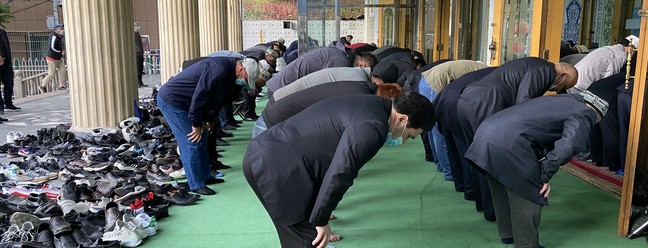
pixel 50 109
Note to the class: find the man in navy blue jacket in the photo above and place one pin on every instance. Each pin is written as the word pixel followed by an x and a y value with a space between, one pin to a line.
pixel 186 100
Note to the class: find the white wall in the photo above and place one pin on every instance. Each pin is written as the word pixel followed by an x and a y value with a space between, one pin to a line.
pixel 255 32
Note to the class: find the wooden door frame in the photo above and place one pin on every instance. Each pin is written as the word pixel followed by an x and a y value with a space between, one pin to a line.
pixel 636 156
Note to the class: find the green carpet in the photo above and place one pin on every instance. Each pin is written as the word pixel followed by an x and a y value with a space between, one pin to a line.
pixel 398 200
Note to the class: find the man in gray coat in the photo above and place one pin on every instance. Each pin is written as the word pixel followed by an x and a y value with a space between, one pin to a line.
pixel 316 60
pixel 301 168
pixel 520 152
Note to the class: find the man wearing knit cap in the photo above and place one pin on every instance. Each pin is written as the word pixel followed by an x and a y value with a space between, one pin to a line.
pixel 521 152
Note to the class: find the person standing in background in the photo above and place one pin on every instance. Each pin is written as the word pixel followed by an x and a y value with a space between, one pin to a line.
pixel 55 59
pixel 6 74
pixel 139 54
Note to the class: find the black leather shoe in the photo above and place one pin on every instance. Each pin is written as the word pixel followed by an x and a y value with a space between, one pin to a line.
pixel 214 180
pixel 204 191
pixel 12 107
pixel 65 241
pixel 223 133
pixel 59 226
pixel 221 142
pixel 3 119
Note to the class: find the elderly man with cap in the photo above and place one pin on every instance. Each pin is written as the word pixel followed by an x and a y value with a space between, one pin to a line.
pixel 430 85
pixel 521 152
pixel 186 101
pixel 603 62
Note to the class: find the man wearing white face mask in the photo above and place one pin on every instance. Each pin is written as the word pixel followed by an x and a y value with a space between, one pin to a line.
pixel 186 101
pixel 301 167
pixel 55 60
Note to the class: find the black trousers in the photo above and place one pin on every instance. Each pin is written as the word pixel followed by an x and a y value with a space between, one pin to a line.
pixel 426 145
pixel 7 77
pixel 297 235
pixel 609 139
pixel 461 171
pixel 140 68
pixel 483 198
pixel 624 103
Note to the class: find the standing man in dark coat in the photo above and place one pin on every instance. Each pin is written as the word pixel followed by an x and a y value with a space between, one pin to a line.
pixel 445 111
pixel 520 152
pixel 512 83
pixel 6 74
pixel 301 168
pixel 186 102
pixel 139 54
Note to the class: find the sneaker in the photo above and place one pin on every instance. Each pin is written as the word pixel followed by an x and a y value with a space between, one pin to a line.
pixel 13 152
pixel 133 226
pixel 178 174
pixel 26 151
pixel 129 122
pixel 100 205
pixel 125 237
pixel 149 223
pixel 10 139
pixel 11 235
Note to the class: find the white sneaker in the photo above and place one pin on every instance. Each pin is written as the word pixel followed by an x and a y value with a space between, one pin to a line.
pixel 137 229
pixel 125 237
pixel 149 223
pixel 178 174
pixel 18 136
pixel 10 139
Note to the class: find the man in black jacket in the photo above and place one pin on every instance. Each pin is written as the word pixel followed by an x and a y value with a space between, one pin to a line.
pixel 186 102
pixel 139 55
pixel 520 153
pixel 301 168
pixel 6 74
pixel 55 60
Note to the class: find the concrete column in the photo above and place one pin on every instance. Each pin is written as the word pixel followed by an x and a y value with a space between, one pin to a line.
pixel 235 24
pixel 179 40
pixel 212 15
pixel 100 54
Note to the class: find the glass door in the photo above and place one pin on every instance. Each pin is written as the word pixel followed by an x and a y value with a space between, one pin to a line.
pixel 516 33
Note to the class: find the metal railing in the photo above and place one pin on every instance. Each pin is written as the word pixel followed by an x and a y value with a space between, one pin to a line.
pixel 152 63
pixel 26 44
pixel 28 76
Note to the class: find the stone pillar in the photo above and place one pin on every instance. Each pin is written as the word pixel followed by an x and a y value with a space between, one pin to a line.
pixel 100 54
pixel 179 40
pixel 212 16
pixel 235 24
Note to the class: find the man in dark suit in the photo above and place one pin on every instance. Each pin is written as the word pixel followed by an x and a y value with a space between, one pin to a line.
pixel 445 105
pixel 520 152
pixel 512 83
pixel 301 168
pixel 6 74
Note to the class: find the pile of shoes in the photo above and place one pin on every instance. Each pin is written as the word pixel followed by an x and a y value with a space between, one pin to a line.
pixel 105 189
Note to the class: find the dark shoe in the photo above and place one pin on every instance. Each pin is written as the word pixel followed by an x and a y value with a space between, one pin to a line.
pixel 181 197
pixel 65 241
pixel 12 107
pixel 221 166
pixel 81 238
pixel 638 226
pixel 223 133
pixel 213 180
pixel 59 226
pixel 204 191
pixel 158 176
pixel 238 122
pixel 507 241
pixel 44 235
pixel 220 149
pixel 221 142
pixel 229 127
pixel 48 209
pixel 3 119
